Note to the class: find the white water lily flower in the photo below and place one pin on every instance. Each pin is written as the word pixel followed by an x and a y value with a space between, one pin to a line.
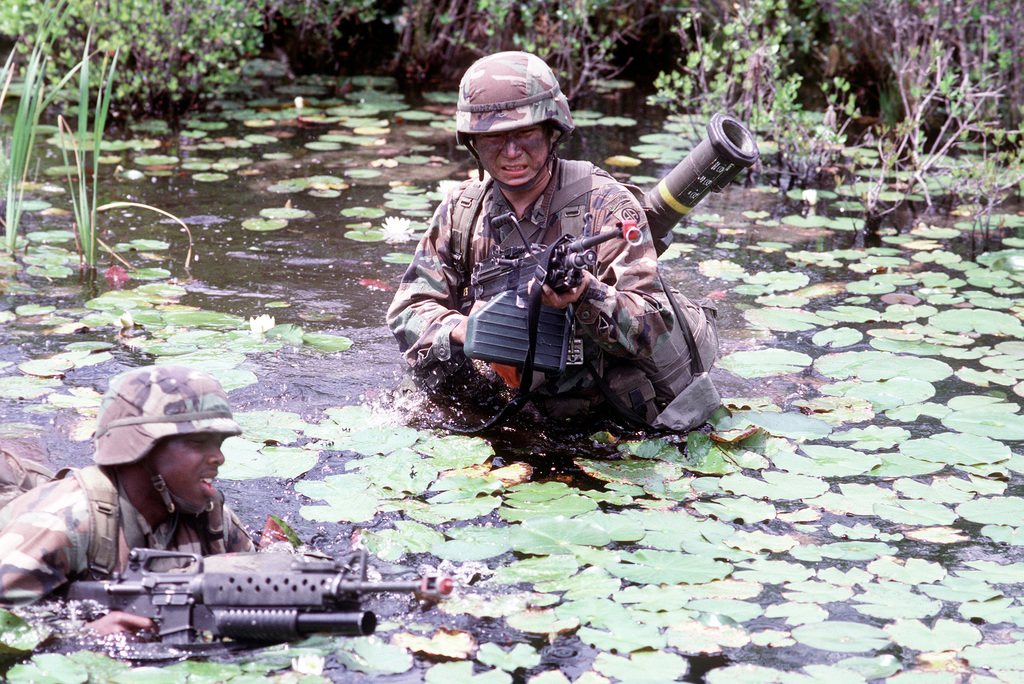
pixel 261 324
pixel 397 229
pixel 125 321
pixel 309 664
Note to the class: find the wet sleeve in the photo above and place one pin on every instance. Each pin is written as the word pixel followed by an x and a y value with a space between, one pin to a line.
pixel 621 312
pixel 236 539
pixel 43 544
pixel 426 306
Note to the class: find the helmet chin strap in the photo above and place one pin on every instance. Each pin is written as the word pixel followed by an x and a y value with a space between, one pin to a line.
pixel 171 501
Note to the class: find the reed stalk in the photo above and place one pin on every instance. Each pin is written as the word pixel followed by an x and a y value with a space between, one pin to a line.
pixel 84 197
pixel 31 104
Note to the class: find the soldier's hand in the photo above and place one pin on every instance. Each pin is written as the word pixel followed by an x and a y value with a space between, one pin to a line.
pixel 458 333
pixel 560 300
pixel 119 622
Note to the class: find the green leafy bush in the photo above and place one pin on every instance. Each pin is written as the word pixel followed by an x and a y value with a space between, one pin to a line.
pixel 175 51
pixel 578 40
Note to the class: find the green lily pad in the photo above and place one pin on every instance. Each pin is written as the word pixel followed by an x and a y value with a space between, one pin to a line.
pixel 837 337
pixel 841 636
pixel 790 320
pixel 263 225
pixel 1005 657
pixel 981 321
pixel 648 566
pixel 472 543
pixel 943 635
pixel 285 213
pixel 245 460
pixel 650 667
pixel 327 343
pixel 993 511
pixel 956 449
pixel 765 362
pixel 556 535
pixel 993 421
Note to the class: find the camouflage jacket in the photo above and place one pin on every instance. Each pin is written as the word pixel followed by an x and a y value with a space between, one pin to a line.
pixel 622 316
pixel 45 535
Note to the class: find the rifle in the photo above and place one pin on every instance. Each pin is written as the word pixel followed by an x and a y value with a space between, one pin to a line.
pixel 498 331
pixel 260 597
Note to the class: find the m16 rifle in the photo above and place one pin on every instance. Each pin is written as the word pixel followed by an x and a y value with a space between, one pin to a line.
pixel 257 597
pixel 498 331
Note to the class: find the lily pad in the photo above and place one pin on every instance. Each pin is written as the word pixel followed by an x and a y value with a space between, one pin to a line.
pixel 264 224
pixel 765 362
pixel 556 535
pixel 841 636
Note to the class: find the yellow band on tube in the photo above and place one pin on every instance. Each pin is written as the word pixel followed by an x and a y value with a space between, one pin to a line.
pixel 672 201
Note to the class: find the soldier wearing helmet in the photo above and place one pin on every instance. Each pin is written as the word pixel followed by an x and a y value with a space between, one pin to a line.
pixel 157 453
pixel 512 116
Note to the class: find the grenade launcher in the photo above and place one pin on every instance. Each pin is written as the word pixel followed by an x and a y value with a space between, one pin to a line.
pixel 257 597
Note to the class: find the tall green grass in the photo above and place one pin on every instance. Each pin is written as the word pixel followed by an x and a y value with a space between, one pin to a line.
pixel 31 104
pixel 84 197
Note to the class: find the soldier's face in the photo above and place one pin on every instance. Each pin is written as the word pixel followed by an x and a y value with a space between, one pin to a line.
pixel 189 465
pixel 514 157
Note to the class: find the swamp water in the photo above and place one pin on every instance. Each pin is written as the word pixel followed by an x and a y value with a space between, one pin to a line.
pixel 858 519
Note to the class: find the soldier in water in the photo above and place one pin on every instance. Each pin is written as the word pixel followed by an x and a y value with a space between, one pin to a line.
pixel 628 346
pixel 157 452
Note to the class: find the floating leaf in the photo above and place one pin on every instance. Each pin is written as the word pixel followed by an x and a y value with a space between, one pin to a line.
pixel 765 362
pixel 327 343
pixel 956 449
pixel 445 643
pixel 473 543
pixel 644 666
pixel 841 636
pixel 993 511
pixel 790 320
pixel 980 321
pixel 264 224
pixel 993 421
pixel 668 567
pixel 245 460
pixel 374 656
pixel 556 535
pixel 521 656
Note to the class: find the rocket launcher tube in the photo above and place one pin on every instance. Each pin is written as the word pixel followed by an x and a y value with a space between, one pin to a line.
pixel 729 148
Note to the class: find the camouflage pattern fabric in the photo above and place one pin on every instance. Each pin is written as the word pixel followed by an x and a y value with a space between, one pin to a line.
pixel 509 90
pixel 144 404
pixel 623 316
pixel 45 534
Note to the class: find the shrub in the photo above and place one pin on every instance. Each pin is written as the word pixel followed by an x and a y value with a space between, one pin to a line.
pixel 578 40
pixel 174 51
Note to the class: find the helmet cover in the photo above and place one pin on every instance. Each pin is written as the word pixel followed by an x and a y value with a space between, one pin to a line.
pixel 510 90
pixel 145 404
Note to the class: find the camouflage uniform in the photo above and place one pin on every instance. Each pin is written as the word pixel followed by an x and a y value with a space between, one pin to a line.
pixel 621 315
pixel 47 533
pixel 625 320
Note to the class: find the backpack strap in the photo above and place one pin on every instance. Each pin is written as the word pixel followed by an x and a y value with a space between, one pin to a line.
pixel 103 507
pixel 577 179
pixel 464 218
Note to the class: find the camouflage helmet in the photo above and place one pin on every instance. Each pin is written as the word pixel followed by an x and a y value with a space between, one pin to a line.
pixel 145 404
pixel 509 90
